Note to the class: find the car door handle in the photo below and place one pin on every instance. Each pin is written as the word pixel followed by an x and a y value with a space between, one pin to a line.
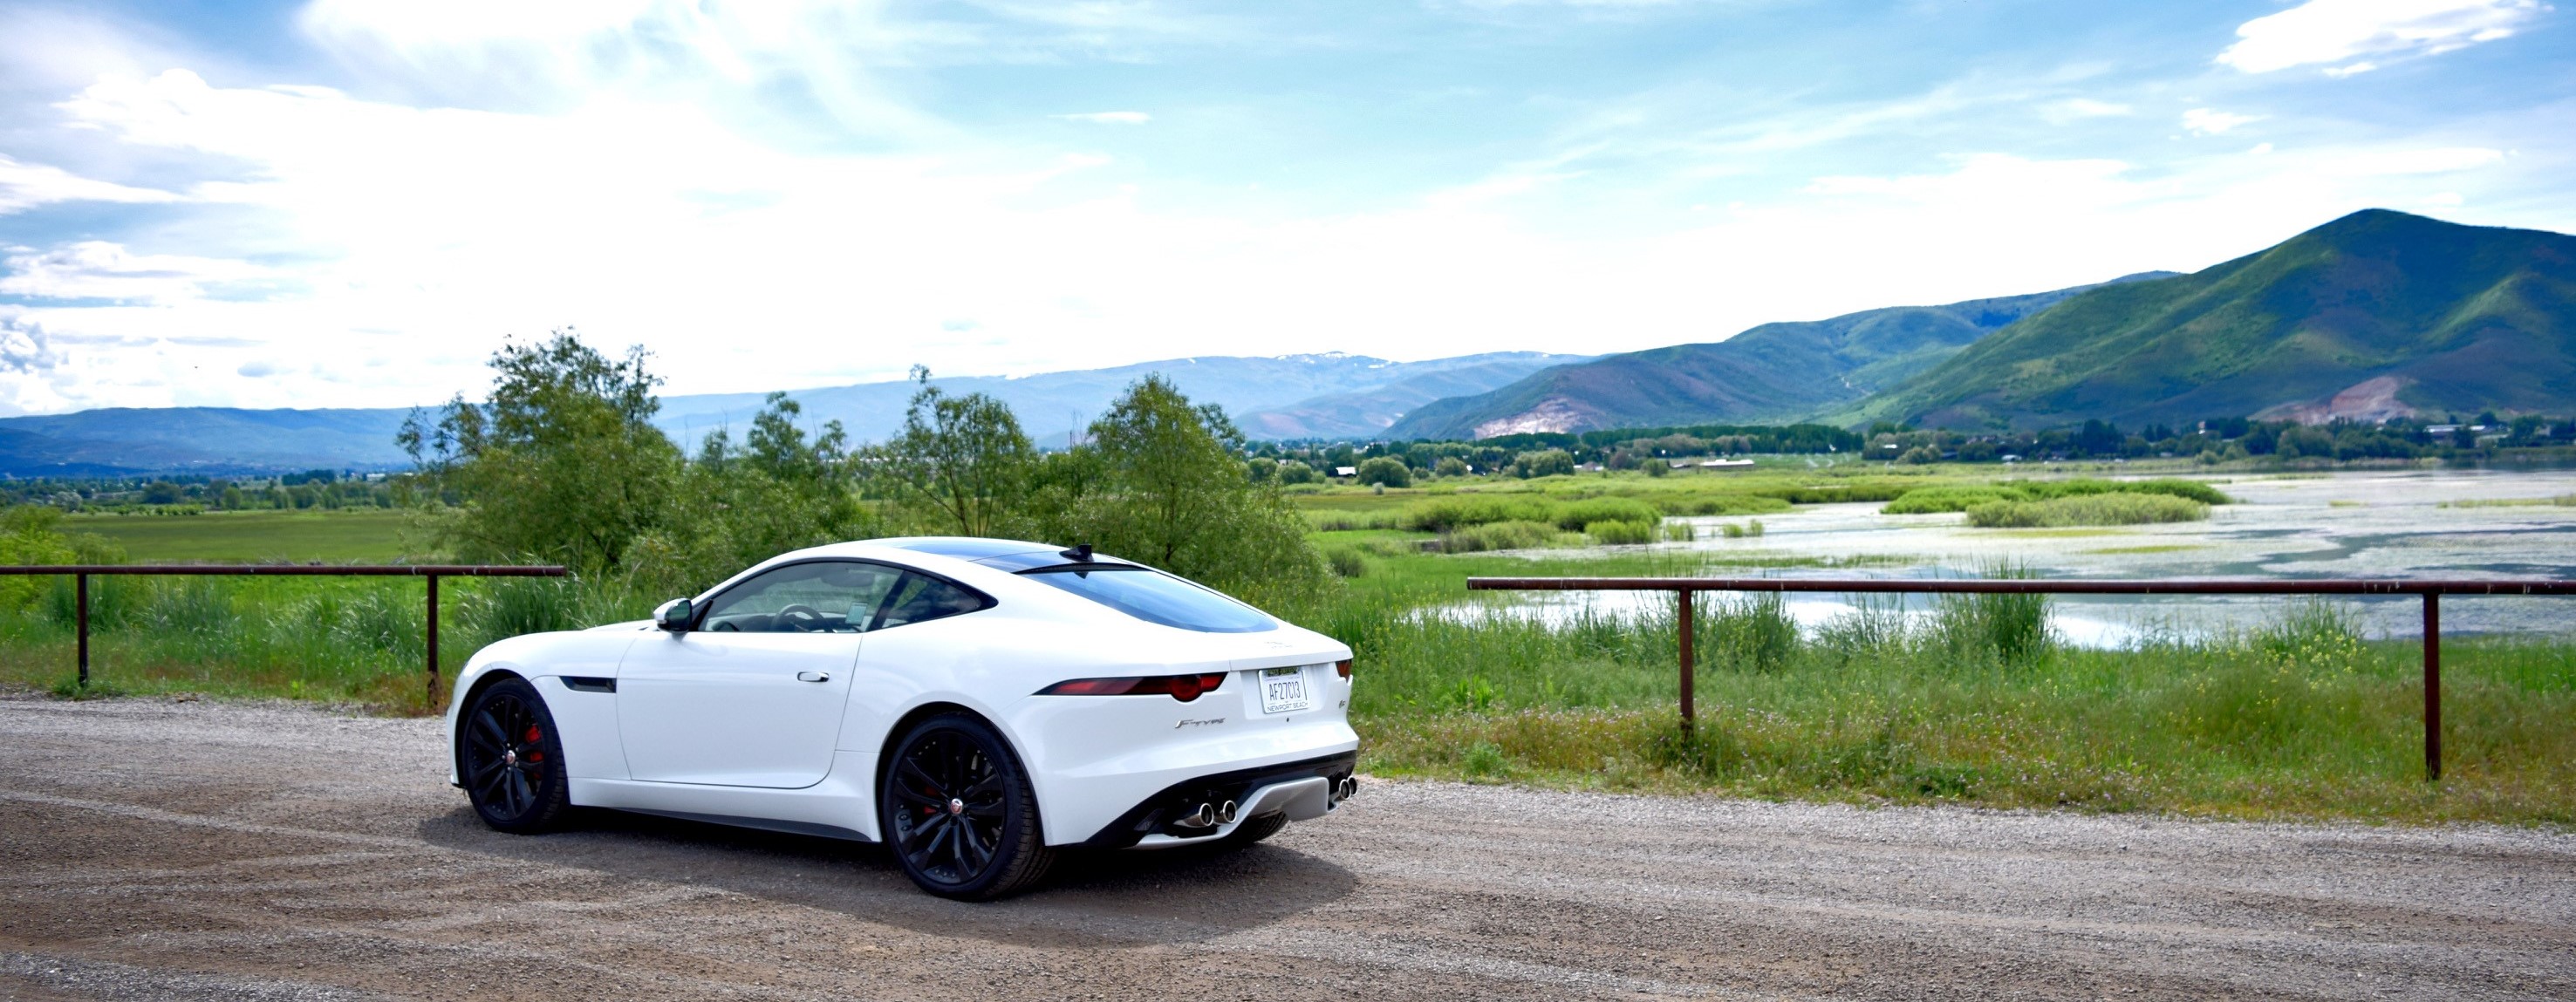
pixel 813 676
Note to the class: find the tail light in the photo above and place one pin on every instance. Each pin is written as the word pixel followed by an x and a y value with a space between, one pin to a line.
pixel 1342 667
pixel 1181 687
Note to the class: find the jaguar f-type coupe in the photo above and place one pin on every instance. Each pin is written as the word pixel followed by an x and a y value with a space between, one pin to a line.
pixel 977 705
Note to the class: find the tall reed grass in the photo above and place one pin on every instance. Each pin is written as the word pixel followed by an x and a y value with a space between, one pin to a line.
pixel 1974 703
pixel 357 640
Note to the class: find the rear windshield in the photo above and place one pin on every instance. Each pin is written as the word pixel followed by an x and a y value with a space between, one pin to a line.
pixel 1156 597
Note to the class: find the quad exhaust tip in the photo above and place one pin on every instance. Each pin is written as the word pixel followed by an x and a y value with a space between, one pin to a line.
pixel 1342 791
pixel 1204 817
pixel 1225 814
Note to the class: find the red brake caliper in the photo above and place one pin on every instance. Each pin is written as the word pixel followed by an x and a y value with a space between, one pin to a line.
pixel 535 736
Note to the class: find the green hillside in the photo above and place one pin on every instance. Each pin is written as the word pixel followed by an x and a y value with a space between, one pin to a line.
pixel 1773 372
pixel 2368 316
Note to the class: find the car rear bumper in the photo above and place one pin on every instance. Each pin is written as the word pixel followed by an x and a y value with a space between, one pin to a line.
pixel 1153 815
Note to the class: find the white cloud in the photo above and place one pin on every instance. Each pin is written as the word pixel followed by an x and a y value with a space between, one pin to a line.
pixel 97 269
pixel 25 347
pixel 1110 117
pixel 427 229
pixel 2331 31
pixel 24 186
pixel 2206 122
pixel 2351 69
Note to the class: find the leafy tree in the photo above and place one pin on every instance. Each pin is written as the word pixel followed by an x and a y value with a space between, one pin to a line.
pixel 562 464
pixel 738 505
pixel 1385 471
pixel 33 534
pixel 961 464
pixel 1544 463
pixel 1450 466
pixel 1161 483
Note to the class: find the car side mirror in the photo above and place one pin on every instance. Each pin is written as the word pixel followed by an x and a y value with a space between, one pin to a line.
pixel 675 615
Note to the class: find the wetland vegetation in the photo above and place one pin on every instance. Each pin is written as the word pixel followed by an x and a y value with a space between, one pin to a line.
pixel 1979 700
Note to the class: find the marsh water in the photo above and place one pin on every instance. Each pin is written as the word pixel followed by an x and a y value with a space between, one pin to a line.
pixel 2377 525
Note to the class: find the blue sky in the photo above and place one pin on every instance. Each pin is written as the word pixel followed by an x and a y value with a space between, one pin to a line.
pixel 351 202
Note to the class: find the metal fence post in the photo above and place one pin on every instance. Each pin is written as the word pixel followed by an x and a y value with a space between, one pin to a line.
pixel 80 622
pixel 2432 686
pixel 429 694
pixel 1690 653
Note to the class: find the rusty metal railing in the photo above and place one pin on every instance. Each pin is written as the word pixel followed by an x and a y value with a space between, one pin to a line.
pixel 2430 590
pixel 81 573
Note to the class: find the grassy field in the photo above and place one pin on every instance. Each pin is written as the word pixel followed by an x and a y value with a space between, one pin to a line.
pixel 2300 719
pixel 368 535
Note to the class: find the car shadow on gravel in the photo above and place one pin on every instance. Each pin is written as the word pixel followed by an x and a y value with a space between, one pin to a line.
pixel 1090 899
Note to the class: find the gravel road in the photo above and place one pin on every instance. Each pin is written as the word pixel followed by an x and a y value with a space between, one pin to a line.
pixel 152 849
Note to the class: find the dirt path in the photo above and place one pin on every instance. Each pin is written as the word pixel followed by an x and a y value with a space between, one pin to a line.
pixel 158 850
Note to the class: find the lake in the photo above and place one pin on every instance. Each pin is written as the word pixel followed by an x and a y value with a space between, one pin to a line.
pixel 2391 524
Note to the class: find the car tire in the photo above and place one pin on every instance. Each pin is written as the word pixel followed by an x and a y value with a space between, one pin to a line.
pixel 1253 830
pixel 511 760
pixel 958 813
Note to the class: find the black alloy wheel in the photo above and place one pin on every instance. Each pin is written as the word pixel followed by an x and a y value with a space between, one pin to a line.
pixel 958 813
pixel 511 760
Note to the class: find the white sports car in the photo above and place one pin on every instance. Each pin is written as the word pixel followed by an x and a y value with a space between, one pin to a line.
pixel 977 704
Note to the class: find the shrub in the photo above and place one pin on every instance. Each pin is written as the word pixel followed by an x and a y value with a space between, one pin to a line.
pixel 1620 533
pixel 2091 509
pixel 1385 471
pixel 1679 531
pixel 1450 466
pixel 1346 561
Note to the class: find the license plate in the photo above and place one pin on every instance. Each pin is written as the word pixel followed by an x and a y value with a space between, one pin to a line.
pixel 1283 690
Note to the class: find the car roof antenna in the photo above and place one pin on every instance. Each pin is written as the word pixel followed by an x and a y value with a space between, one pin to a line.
pixel 1080 554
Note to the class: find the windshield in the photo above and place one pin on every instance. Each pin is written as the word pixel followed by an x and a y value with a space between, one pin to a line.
pixel 1156 597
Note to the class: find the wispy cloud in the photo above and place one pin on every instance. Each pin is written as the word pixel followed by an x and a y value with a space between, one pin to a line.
pixel 354 215
pixel 97 269
pixel 2331 31
pixel 2210 122
pixel 1109 117
pixel 24 186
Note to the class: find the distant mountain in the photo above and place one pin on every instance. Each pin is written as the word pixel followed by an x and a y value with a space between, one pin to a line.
pixel 1287 396
pixel 2373 315
pixel 1774 372
pixel 1052 405
pixel 1366 413
pixel 125 440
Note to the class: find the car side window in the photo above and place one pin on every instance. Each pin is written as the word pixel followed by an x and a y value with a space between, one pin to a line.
pixel 817 597
pixel 921 598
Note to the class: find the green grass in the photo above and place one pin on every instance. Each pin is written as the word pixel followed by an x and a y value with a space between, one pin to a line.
pixel 369 535
pixel 2299 721
pixel 2086 510
pixel 1954 497
pixel 1979 707
pixel 345 640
